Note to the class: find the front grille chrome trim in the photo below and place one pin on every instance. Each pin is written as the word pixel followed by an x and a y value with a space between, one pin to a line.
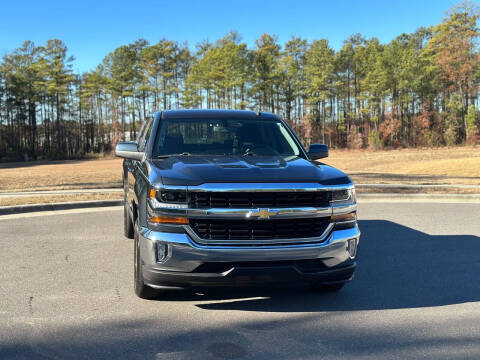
pixel 284 213
pixel 249 243
pixel 229 213
pixel 266 187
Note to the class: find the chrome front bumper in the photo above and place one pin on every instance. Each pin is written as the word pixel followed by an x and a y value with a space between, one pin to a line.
pixel 184 255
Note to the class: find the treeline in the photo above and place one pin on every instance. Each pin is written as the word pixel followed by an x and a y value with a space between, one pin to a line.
pixel 421 89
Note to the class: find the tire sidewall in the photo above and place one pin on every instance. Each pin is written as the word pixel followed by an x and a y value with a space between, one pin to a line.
pixel 128 226
pixel 137 260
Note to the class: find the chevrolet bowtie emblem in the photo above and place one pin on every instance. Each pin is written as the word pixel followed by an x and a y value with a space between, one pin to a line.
pixel 262 213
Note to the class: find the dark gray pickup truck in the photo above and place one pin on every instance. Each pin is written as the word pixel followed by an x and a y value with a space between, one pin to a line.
pixel 222 198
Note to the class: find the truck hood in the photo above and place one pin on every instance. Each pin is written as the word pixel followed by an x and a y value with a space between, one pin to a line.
pixel 196 170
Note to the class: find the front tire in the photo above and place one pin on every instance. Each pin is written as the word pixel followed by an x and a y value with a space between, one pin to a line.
pixel 127 221
pixel 141 290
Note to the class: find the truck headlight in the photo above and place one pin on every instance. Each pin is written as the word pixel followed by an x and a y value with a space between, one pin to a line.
pixel 344 196
pixel 166 207
pixel 166 198
pixel 344 208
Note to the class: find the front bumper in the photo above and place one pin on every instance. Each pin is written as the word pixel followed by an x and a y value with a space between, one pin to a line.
pixel 244 265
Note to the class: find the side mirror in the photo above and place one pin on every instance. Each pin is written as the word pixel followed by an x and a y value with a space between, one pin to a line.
pixel 318 151
pixel 128 150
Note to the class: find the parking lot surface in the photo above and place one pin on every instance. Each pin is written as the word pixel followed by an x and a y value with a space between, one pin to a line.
pixel 66 292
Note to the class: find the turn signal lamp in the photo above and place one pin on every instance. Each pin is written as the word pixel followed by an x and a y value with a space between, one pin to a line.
pixel 344 217
pixel 168 220
pixel 152 193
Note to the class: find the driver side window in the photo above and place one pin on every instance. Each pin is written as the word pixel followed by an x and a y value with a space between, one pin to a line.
pixel 145 134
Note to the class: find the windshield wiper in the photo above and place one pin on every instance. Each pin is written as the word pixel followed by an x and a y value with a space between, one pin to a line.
pixel 170 155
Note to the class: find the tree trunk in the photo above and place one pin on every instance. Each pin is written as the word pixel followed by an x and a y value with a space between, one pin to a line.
pixel 324 113
pixel 59 142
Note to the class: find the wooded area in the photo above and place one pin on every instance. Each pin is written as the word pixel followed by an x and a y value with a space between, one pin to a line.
pixel 421 89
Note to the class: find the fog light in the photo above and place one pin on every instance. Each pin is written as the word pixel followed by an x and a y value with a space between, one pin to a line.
pixel 162 252
pixel 352 247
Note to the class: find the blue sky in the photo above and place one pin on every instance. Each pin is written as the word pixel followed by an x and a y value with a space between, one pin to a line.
pixel 91 29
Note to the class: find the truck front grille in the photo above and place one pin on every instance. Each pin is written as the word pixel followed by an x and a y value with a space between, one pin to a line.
pixel 210 229
pixel 250 200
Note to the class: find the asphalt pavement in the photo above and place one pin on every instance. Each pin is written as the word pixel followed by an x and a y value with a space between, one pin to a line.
pixel 66 293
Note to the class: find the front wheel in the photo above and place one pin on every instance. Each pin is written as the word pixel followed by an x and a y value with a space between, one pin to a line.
pixel 127 221
pixel 141 290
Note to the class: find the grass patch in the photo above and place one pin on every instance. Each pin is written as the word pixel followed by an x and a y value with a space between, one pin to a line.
pixel 459 165
pixel 60 175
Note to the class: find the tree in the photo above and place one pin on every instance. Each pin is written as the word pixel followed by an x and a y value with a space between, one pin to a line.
pixel 56 73
pixel 419 89
pixel 264 74
pixel 453 46
pixel 22 81
pixel 319 72
pixel 473 135
pixel 291 84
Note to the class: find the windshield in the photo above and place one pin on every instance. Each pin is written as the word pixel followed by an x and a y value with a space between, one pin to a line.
pixel 224 137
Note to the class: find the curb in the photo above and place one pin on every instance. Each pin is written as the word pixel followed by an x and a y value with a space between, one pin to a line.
pixel 19 209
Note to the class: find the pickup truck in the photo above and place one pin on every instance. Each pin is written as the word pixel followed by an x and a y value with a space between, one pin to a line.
pixel 232 198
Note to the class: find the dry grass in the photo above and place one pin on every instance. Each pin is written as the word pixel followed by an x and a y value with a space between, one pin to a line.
pixel 24 200
pixel 453 190
pixel 460 165
pixel 61 175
